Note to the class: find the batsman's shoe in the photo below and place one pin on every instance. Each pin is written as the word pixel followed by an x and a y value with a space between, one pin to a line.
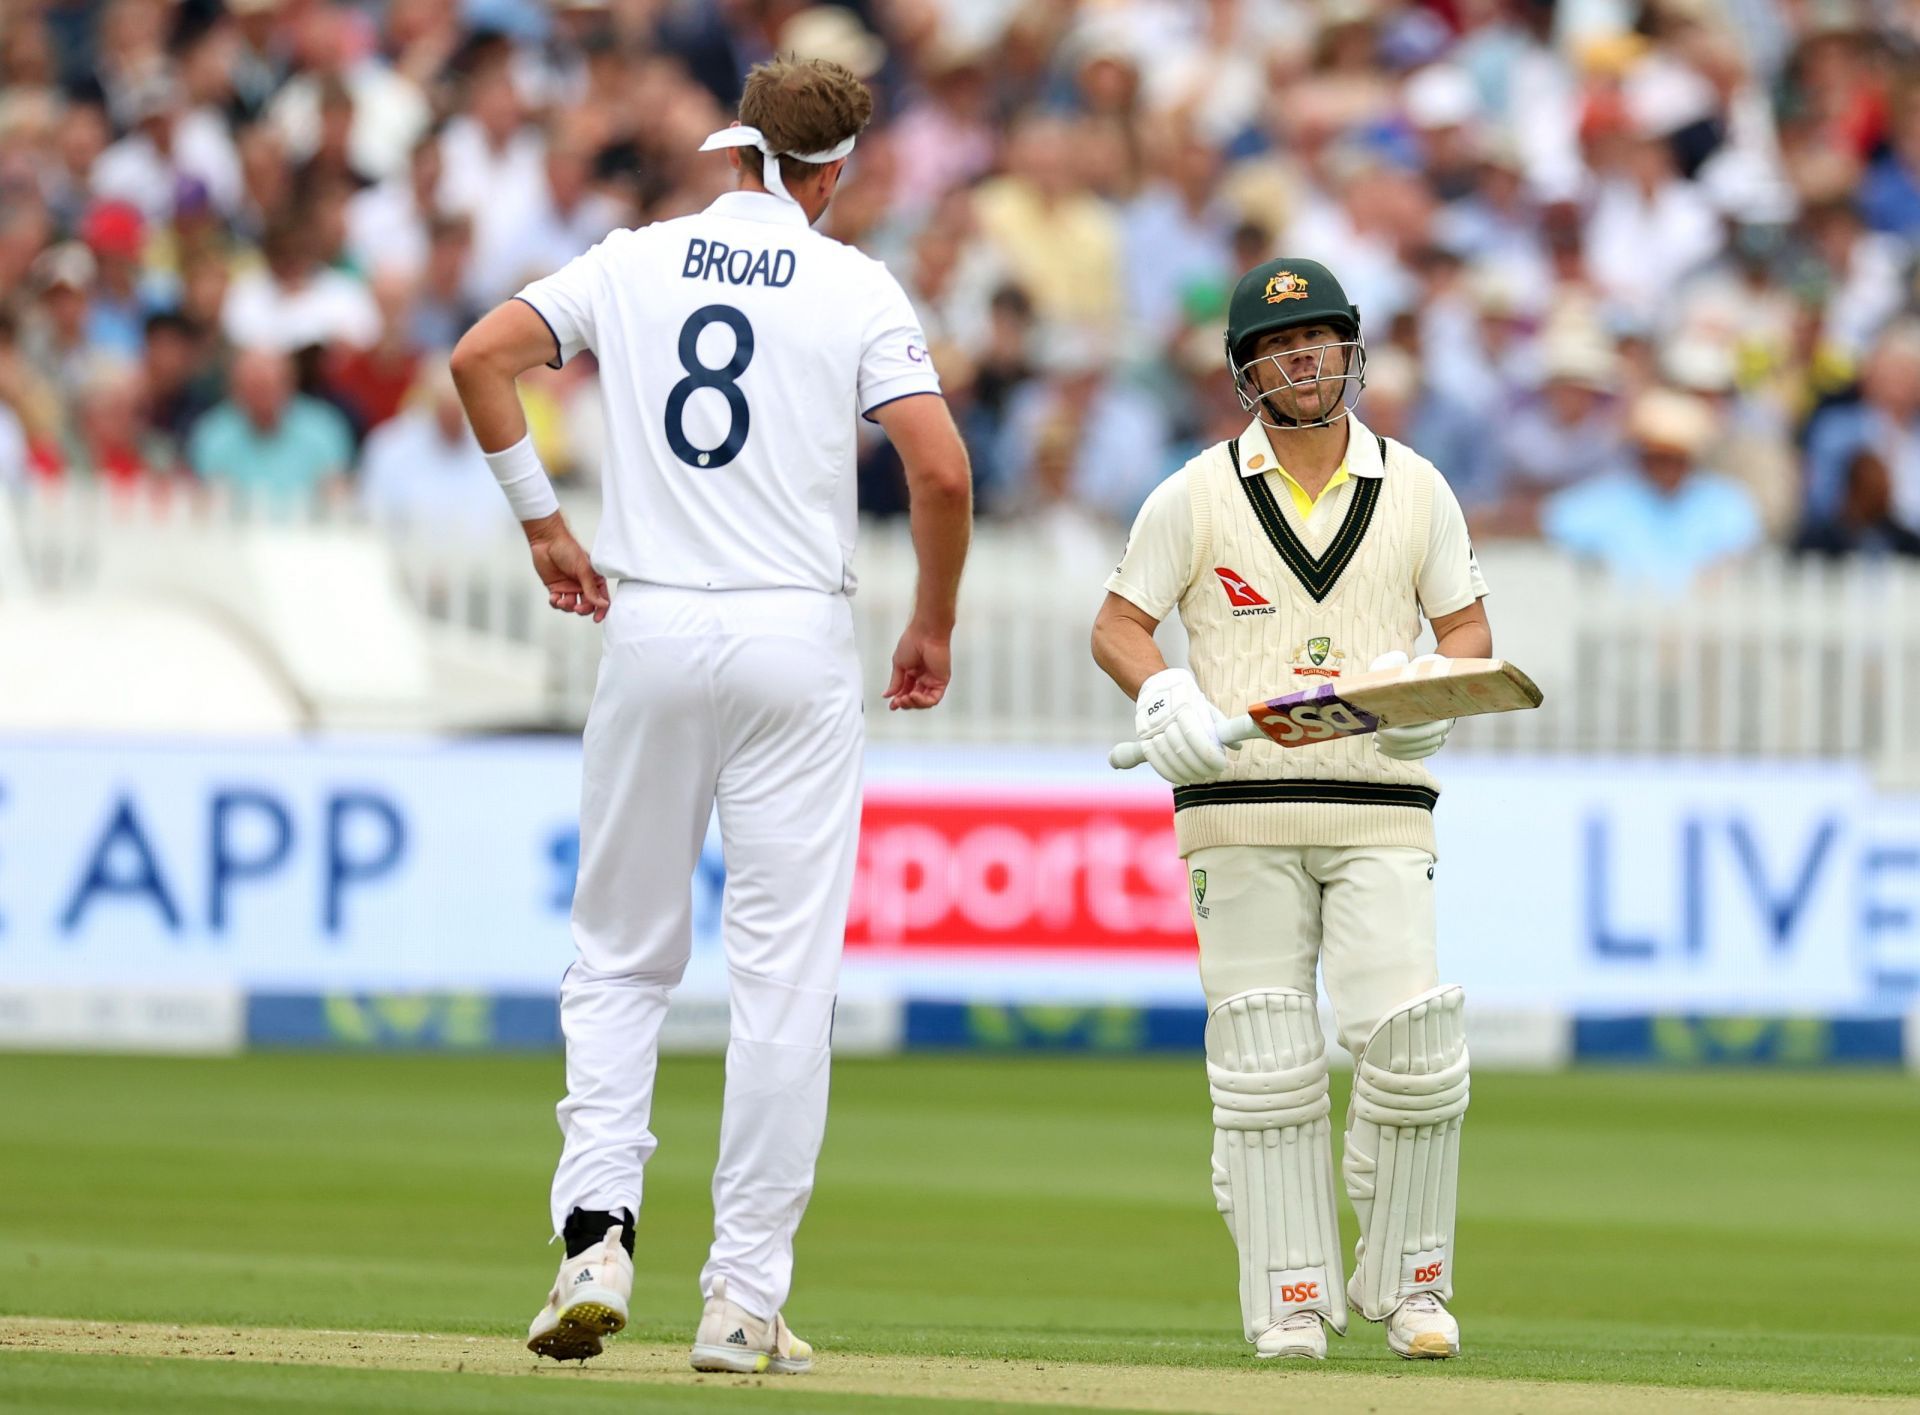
pixel 587 1304
pixel 1296 1336
pixel 1422 1329
pixel 732 1339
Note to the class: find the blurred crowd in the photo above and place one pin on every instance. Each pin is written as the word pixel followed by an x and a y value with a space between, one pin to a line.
pixel 1637 274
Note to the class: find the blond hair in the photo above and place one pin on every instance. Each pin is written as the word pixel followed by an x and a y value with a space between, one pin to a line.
pixel 801 105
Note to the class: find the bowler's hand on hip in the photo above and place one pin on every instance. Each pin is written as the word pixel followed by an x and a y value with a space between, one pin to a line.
pixel 922 668
pixel 565 568
pixel 1179 729
pixel 1418 739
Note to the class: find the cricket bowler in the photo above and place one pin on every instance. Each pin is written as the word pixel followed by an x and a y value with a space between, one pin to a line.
pixel 1305 549
pixel 736 347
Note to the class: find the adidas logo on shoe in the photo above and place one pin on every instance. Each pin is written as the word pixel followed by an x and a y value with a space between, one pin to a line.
pixel 586 1275
pixel 739 1337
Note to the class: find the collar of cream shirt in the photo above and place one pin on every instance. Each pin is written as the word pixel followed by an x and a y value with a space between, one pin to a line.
pixel 758 206
pixel 1362 460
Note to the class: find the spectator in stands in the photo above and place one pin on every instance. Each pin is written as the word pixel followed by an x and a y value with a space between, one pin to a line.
pixel 564 215
pixel 55 337
pixel 494 170
pixel 1890 190
pixel 1400 404
pixel 294 302
pixel 441 310
pixel 371 383
pixel 423 470
pixel 1753 445
pixel 1858 274
pixel 387 224
pixel 1062 243
pixel 115 233
pixel 1663 520
pixel 13 426
pixel 1567 434
pixel 1177 233
pixel 1649 228
pixel 1864 522
pixel 1077 433
pixel 181 381
pixel 167 144
pixel 264 437
pixel 1883 421
pixel 945 138
pixel 107 440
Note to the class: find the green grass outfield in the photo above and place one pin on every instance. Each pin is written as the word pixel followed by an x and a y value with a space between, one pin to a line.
pixel 1747 1231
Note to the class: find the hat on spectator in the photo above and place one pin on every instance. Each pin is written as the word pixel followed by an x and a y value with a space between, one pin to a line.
pixel 951 53
pixel 1699 364
pixel 1583 358
pixel 834 33
pixel 114 228
pixel 68 264
pixel 1671 421
pixel 1391 373
pixel 153 96
pixel 1441 96
pixel 1071 350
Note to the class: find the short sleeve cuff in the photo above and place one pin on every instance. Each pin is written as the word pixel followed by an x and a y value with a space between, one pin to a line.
pixel 891 390
pixel 1136 597
pixel 553 328
pixel 1442 610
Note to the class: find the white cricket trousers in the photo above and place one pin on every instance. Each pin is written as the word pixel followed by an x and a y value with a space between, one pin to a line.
pixel 748 700
pixel 1270 914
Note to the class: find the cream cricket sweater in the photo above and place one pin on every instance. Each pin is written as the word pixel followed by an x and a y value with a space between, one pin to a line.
pixel 1271 607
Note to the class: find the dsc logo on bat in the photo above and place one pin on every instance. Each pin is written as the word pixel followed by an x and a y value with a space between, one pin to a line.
pixel 1315 722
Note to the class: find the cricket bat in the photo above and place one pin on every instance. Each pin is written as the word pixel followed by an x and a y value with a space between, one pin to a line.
pixel 1394 697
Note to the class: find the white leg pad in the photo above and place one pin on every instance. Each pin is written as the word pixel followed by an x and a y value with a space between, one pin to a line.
pixel 1273 1156
pixel 1402 1161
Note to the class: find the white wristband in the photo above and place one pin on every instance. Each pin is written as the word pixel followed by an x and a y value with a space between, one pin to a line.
pixel 524 480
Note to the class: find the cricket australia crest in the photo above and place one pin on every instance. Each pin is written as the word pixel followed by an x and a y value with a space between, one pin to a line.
pixel 1286 286
pixel 1200 894
pixel 1318 658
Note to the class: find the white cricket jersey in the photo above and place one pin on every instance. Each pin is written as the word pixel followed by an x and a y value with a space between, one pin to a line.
pixel 735 348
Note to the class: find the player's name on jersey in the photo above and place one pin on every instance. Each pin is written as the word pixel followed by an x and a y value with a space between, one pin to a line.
pixel 716 260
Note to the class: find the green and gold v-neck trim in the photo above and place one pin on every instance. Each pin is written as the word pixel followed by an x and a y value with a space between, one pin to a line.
pixel 1316 574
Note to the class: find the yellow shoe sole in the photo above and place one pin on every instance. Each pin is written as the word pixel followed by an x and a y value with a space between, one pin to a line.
pixel 579 1334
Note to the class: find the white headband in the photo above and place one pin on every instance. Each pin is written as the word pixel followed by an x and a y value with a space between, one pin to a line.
pixel 743 136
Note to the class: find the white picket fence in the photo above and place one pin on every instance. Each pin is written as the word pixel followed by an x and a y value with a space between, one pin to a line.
pixel 1776 657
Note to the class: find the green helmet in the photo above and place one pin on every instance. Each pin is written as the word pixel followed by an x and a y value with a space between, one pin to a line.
pixel 1279 294
pixel 1285 294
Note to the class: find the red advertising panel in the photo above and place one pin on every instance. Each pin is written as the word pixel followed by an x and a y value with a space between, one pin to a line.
pixel 1051 870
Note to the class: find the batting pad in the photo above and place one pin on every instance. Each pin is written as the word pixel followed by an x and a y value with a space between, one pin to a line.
pixel 1273 1156
pixel 1402 1160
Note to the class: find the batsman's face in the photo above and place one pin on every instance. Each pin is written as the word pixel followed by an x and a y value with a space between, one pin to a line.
pixel 1302 371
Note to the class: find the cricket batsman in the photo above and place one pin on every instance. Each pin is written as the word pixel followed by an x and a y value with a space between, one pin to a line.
pixel 736 347
pixel 1305 549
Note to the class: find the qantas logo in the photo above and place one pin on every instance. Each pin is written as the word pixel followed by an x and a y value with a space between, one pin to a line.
pixel 1244 598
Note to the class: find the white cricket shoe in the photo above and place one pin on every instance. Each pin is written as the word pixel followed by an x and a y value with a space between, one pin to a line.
pixel 732 1339
pixel 1296 1336
pixel 588 1302
pixel 1422 1329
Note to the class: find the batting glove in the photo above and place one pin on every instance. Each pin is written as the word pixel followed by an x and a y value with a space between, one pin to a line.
pixel 1179 729
pixel 1417 739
